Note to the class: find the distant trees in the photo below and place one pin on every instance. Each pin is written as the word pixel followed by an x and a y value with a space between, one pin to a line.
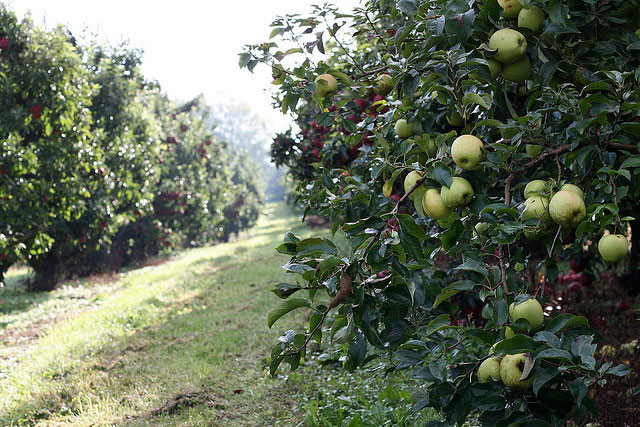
pixel 98 169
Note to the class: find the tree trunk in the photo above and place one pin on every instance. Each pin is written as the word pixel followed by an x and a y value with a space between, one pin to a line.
pixel 49 270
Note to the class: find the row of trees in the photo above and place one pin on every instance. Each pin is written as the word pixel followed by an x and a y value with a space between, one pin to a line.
pixel 99 169
pixel 420 131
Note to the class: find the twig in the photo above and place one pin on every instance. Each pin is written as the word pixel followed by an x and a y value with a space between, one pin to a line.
pixel 559 166
pixel 615 201
pixel 375 30
pixel 553 247
pixel 335 37
pixel 344 291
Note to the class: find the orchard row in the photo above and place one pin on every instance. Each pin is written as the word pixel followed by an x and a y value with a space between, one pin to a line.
pixel 99 169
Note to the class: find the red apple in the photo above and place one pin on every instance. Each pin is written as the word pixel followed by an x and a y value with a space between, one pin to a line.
pixel 622 305
pixel 36 112
pixel 361 103
pixel 4 43
pixel 578 265
pixel 574 286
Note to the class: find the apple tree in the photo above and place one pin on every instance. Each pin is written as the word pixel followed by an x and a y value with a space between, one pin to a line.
pixel 45 137
pixel 502 140
pixel 98 169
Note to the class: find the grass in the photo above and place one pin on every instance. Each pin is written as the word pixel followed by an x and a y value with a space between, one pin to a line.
pixel 180 343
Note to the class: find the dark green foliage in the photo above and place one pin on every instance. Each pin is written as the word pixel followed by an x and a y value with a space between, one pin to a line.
pixel 434 295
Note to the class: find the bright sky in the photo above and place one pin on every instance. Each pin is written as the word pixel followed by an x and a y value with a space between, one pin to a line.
pixel 191 46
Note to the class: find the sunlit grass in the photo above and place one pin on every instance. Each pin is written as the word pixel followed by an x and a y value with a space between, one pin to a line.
pixel 118 351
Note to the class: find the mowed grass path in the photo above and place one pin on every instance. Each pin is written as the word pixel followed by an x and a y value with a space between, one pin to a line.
pixel 181 343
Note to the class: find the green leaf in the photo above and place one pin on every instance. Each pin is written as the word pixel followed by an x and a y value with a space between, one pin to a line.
pixel 407 6
pixel 564 321
pixel 452 289
pixel 619 371
pixel 517 344
pixel 555 353
pixel 474 98
pixel 543 376
pixel 387 188
pixel 441 174
pixel 440 322
pixel 472 264
pixel 316 245
pixel 409 223
pixel 283 308
pixel 578 390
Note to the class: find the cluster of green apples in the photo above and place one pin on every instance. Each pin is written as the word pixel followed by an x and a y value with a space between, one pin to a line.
pixel 567 209
pixel 510 59
pixel 327 84
pixel 510 368
pixel 467 151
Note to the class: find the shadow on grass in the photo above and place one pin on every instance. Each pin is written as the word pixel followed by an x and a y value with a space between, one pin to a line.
pixel 214 348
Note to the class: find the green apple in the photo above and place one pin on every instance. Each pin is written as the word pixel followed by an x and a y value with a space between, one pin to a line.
pixel 510 8
pixel 530 310
pixel 403 128
pixel 489 368
pixel 510 45
pixel 573 188
pixel 518 71
pixel 638 32
pixel 479 229
pixel 531 17
pixel 535 187
pixel 511 368
pixel 455 119
pixel 467 151
pixel 410 181
pixel 458 195
pixel 384 85
pixel 418 195
pixel 536 207
pixel 433 206
pixel 613 247
pixel 567 208
pixel 533 150
pixel 495 67
pixel 535 233
pixel 326 85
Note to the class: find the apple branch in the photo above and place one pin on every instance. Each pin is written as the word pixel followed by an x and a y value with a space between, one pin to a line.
pixel 375 30
pixel 559 166
pixel 615 201
pixel 553 248
pixel 332 33
pixel 343 293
